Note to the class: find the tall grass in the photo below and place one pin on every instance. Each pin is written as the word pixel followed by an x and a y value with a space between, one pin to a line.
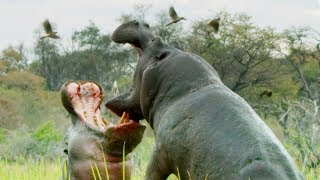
pixel 41 169
pixel 30 170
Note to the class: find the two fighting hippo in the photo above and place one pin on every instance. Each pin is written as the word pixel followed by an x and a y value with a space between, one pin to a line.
pixel 202 129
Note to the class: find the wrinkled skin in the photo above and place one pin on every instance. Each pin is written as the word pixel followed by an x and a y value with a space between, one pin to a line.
pixel 202 128
pixel 93 141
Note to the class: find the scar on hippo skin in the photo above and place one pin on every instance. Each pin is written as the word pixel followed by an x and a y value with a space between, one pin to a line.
pixel 202 128
pixel 93 141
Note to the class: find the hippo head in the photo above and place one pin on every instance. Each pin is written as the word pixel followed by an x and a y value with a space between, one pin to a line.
pixel 82 101
pixel 133 32
pixel 163 73
pixel 151 50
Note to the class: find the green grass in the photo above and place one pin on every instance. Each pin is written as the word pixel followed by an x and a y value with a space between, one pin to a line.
pixel 34 170
pixel 30 170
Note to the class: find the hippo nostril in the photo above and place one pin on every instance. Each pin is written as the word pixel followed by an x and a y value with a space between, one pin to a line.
pixel 162 55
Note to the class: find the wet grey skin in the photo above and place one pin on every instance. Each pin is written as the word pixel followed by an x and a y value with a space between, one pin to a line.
pixel 93 141
pixel 202 129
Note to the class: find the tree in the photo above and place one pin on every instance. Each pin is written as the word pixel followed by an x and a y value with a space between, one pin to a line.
pixel 49 64
pixel 300 122
pixel 13 59
pixel 240 53
pixel 92 57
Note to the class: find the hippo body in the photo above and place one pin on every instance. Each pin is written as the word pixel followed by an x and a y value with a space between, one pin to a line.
pixel 202 129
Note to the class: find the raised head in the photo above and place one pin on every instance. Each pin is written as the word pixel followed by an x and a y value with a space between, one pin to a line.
pixel 133 32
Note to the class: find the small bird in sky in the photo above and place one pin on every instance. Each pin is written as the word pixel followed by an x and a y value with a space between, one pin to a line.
pixel 174 16
pixel 214 25
pixel 266 92
pixel 48 29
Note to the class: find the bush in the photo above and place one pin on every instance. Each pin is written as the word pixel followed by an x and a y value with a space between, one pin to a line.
pixel 46 133
pixel 2 135
pixel 22 80
pixel 24 143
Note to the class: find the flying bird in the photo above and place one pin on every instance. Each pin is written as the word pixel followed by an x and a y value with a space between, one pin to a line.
pixel 266 92
pixel 48 29
pixel 214 25
pixel 174 16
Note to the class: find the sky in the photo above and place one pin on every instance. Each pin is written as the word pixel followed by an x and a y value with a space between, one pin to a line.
pixel 20 19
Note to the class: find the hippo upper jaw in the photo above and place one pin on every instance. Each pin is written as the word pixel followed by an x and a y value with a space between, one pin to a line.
pixel 136 34
pixel 123 103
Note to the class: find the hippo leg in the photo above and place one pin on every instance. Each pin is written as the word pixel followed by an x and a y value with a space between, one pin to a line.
pixel 158 167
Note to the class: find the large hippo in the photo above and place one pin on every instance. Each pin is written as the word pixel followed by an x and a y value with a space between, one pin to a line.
pixel 202 129
pixel 93 143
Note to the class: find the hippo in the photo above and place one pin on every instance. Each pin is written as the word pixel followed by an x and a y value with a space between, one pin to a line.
pixel 203 130
pixel 95 144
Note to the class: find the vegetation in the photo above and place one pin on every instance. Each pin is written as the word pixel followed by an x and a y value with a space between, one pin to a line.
pixel 248 58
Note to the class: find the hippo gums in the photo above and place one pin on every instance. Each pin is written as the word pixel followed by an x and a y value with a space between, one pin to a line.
pixel 95 146
pixel 202 129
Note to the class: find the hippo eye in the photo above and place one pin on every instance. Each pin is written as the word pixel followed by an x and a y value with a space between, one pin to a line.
pixel 136 23
pixel 146 25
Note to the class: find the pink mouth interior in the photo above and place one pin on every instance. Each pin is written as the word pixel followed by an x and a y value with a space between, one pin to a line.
pixel 86 99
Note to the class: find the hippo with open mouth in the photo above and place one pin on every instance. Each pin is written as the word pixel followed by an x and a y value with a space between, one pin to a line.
pixel 203 130
pixel 93 143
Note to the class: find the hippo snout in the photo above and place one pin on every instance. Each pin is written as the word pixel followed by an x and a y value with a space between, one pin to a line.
pixel 122 103
pixel 124 32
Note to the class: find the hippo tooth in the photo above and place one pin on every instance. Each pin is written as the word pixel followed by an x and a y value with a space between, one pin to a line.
pixel 122 118
pixel 95 120
pixel 104 122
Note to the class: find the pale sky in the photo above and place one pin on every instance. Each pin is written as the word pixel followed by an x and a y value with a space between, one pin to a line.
pixel 21 18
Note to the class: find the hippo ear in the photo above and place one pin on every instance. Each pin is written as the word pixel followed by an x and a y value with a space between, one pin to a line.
pixel 146 25
pixel 176 45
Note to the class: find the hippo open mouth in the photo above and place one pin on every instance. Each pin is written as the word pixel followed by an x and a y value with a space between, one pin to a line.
pixel 83 100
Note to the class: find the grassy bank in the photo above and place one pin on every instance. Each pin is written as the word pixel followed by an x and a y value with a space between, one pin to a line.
pixel 41 169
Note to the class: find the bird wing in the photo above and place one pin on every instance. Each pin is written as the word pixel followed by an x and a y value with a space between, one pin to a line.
pixel 170 23
pixel 47 26
pixel 53 36
pixel 43 37
pixel 173 14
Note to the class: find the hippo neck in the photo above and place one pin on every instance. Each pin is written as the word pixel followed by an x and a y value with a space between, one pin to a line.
pixel 141 42
pixel 179 78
